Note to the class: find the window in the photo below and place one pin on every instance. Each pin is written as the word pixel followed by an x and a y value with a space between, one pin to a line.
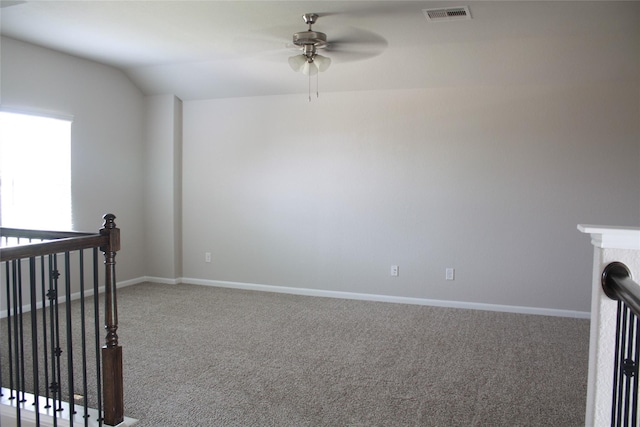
pixel 35 172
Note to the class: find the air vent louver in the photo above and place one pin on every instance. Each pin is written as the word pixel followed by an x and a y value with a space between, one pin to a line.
pixel 447 14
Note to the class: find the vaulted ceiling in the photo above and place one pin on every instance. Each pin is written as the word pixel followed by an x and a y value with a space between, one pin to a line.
pixel 219 49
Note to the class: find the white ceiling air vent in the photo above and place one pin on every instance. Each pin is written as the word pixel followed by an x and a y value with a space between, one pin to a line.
pixel 447 14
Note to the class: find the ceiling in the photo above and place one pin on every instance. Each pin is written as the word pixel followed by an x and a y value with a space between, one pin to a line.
pixel 220 49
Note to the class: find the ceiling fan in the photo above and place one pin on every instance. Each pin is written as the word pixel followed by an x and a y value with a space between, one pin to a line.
pixel 310 62
pixel 346 44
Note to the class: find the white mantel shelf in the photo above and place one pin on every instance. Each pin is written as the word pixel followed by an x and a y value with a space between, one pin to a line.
pixel 611 237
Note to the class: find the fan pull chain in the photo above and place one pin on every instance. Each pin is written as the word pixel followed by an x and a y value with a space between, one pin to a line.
pixel 309 87
pixel 317 86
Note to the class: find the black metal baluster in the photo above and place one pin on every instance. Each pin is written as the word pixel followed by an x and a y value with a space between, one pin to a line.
pixel 631 369
pixel 620 360
pixel 631 365
pixel 45 346
pixel 634 404
pixel 9 332
pixel 23 383
pixel 16 332
pixel 34 336
pixel 51 296
pixel 628 365
pixel 67 288
pixel 616 367
pixel 97 330
pixel 56 336
pixel 83 336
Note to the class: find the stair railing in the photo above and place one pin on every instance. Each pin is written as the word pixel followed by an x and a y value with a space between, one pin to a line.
pixel 618 285
pixel 38 291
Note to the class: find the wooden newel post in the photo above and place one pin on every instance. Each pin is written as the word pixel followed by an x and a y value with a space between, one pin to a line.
pixel 112 387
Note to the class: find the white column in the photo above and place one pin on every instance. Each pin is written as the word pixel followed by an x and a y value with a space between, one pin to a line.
pixel 610 244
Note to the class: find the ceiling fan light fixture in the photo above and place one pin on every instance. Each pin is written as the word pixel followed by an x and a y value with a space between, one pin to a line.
pixel 309 69
pixel 297 62
pixel 322 62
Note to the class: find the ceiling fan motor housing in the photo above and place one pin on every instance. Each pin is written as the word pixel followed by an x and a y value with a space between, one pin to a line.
pixel 314 38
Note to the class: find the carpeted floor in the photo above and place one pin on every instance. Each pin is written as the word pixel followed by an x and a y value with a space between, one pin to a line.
pixel 202 356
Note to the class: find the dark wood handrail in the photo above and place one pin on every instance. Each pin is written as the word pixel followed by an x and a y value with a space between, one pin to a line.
pixel 618 285
pixel 39 234
pixel 51 247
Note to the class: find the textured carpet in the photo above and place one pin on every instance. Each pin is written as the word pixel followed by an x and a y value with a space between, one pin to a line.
pixel 202 356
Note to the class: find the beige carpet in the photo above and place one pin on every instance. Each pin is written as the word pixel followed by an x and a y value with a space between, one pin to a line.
pixel 202 356
pixel 199 356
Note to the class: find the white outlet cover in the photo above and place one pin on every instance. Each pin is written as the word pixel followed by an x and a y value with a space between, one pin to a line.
pixel 450 274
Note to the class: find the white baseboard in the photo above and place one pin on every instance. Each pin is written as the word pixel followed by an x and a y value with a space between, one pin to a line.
pixel 389 298
pixel 338 294
pixel 161 280
pixel 125 283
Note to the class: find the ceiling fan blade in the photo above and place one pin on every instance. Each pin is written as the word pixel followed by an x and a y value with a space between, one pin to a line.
pixel 354 44
pixel 358 38
pixel 350 56
pixel 344 44
pixel 265 41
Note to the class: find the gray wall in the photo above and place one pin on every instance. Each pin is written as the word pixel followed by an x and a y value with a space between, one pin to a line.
pixel 106 136
pixel 328 195
pixel 489 180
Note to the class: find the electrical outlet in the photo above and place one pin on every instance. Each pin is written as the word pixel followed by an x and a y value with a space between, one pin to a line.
pixel 394 270
pixel 207 257
pixel 449 274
